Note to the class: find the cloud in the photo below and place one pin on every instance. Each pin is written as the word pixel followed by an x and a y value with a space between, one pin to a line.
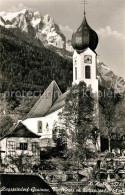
pixel 20 6
pixel 66 28
pixel 107 31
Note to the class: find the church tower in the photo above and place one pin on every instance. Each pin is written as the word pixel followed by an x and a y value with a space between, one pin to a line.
pixel 84 42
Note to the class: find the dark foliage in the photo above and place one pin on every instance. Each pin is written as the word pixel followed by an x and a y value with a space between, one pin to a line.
pixel 77 120
pixel 108 101
pixel 28 66
pixel 6 123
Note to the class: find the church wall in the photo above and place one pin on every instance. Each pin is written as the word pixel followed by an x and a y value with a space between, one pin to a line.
pixel 78 61
pixel 48 123
pixel 32 124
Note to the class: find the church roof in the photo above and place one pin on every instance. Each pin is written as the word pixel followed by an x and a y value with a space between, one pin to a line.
pixel 20 130
pixel 60 102
pixel 46 101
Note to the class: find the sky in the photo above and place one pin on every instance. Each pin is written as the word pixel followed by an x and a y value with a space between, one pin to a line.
pixel 106 17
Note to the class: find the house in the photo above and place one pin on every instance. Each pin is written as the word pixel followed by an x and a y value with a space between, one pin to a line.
pixel 22 144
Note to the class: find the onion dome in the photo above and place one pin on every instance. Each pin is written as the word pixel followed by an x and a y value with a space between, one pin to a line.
pixel 84 37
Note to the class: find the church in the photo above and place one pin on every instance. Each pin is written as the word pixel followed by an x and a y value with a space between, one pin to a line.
pixel 44 114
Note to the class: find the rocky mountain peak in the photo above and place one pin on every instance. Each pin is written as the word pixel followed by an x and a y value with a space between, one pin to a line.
pixel 32 22
pixel 109 79
pixel 48 19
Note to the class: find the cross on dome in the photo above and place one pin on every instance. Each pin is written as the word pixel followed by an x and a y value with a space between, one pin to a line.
pixel 84 2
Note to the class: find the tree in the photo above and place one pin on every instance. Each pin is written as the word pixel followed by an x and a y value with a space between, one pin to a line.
pixel 21 163
pixel 119 129
pixel 77 119
pixel 95 135
pixel 108 101
pixel 5 125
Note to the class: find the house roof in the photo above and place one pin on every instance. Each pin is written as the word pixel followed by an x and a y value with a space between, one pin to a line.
pixel 25 181
pixel 20 130
pixel 46 101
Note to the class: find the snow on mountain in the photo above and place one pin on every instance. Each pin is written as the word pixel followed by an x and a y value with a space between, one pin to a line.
pixel 33 23
pixel 10 15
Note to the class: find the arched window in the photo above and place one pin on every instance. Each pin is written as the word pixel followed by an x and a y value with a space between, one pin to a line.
pixel 40 127
pixel 75 73
pixel 87 72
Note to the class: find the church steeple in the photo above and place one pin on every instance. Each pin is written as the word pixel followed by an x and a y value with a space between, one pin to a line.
pixel 84 42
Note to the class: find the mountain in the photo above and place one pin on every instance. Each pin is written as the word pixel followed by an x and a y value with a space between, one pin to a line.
pixel 32 22
pixel 109 79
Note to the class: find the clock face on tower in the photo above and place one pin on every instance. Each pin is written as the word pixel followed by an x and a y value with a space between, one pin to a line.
pixel 88 59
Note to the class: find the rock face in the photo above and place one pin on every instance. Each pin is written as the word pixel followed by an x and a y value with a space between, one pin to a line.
pixel 36 25
pixel 109 79
pixel 69 46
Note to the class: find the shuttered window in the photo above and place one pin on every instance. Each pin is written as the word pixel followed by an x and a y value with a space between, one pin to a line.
pixel 11 147
pixel 23 146
pixel 35 148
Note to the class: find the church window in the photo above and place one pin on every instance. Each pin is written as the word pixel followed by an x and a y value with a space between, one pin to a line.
pixel 75 73
pixel 23 146
pixel 40 128
pixel 87 72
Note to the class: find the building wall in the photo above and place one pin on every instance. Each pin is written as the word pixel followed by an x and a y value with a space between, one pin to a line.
pixel 12 149
pixel 48 123
pixel 3 148
pixel 78 61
